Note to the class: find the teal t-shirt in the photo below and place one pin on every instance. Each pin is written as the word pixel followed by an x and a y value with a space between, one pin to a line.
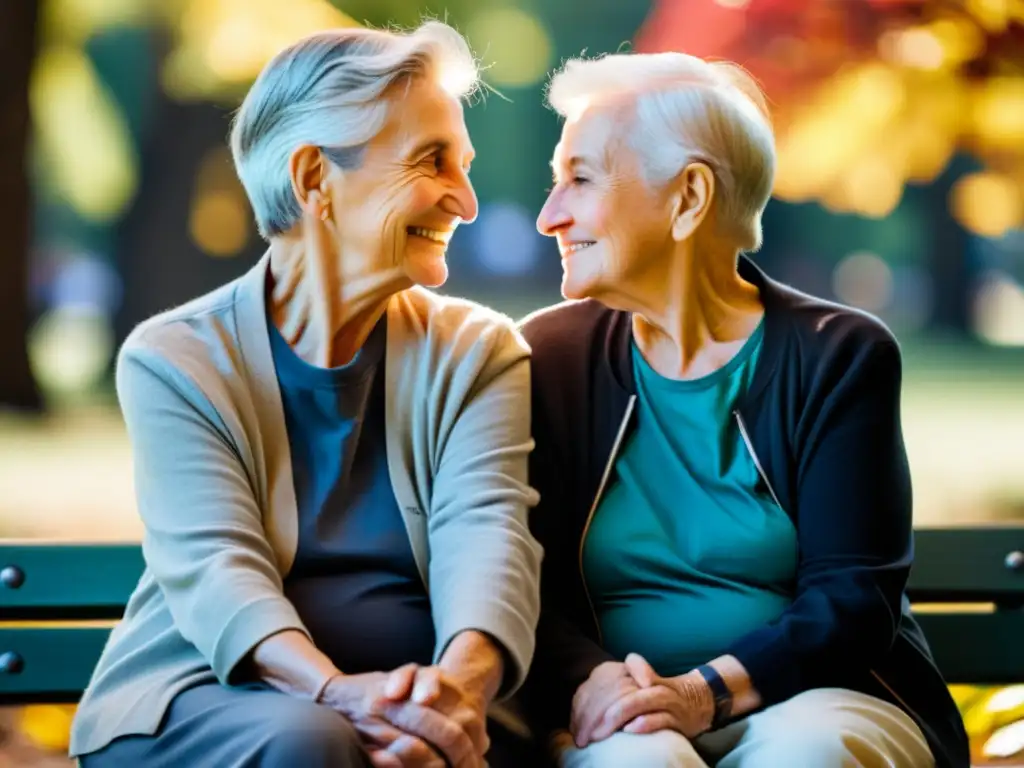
pixel 687 552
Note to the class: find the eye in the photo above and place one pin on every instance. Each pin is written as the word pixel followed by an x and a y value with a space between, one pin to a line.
pixel 434 161
pixel 580 180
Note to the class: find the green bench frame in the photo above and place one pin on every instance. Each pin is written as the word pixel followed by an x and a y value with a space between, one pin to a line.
pixel 58 602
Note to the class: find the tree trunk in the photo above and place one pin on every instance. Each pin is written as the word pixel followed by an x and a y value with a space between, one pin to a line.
pixel 18 45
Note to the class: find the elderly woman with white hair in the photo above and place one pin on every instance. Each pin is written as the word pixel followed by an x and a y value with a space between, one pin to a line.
pixel 330 460
pixel 725 496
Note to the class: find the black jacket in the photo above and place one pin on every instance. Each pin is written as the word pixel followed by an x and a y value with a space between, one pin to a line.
pixel 822 423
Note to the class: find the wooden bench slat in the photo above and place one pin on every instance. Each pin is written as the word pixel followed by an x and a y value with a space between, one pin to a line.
pixel 57 662
pixel 969 648
pixel 68 580
pixel 967 565
pixel 74 581
pixel 977 648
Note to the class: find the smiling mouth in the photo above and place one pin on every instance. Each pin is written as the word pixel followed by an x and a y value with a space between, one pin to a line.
pixel 435 235
pixel 569 249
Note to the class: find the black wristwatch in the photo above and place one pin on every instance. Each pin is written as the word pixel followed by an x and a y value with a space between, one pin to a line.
pixel 721 693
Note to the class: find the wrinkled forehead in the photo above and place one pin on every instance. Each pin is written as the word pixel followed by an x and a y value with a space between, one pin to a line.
pixel 593 138
pixel 422 112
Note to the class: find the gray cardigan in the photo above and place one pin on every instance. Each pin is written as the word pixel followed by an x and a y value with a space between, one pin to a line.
pixel 213 480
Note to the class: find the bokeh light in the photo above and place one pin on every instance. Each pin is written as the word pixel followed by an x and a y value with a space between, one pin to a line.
pixel 86 282
pixel 999 112
pixel 835 132
pixel 1009 698
pixel 505 240
pixel 999 310
pixel 994 15
pixel 514 45
pixel 70 348
pixel 1005 742
pixel 223 44
pixel 864 280
pixel 987 203
pixel 917 48
pixel 872 188
pixel 219 216
pixel 75 21
pixel 85 149
pixel 218 223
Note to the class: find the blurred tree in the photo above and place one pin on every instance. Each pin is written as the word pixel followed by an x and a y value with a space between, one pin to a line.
pixel 18 45
pixel 384 13
pixel 871 97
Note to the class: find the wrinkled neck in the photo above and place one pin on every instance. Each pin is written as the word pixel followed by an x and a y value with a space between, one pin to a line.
pixel 695 315
pixel 323 304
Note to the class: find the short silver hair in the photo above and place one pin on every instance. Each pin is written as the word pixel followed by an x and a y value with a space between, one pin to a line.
pixel 330 90
pixel 685 109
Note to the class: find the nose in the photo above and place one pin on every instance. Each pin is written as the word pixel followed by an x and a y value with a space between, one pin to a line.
pixel 461 199
pixel 553 216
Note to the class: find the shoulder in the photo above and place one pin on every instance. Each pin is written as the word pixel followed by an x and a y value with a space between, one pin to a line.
pixel 575 347
pixel 197 317
pixel 455 333
pixel 185 345
pixel 829 346
pixel 447 314
pixel 825 322
pixel 561 323
pixel 572 335
pixel 819 326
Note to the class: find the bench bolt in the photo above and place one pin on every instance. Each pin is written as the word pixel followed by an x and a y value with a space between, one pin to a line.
pixel 12 577
pixel 11 663
pixel 1015 560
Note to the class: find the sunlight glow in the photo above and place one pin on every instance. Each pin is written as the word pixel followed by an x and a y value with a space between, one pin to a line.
pixel 85 148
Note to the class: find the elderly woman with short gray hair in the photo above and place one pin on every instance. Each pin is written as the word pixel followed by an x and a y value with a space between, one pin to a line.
pixel 725 496
pixel 330 460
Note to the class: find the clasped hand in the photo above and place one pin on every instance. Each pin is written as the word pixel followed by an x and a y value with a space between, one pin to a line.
pixel 631 697
pixel 414 717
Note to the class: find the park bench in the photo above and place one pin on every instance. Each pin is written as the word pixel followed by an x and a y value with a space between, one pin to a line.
pixel 58 601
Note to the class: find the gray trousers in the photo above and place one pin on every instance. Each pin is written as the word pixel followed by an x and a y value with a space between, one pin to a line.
pixel 212 726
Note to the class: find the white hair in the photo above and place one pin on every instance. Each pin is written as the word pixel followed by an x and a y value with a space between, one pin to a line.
pixel 330 90
pixel 685 109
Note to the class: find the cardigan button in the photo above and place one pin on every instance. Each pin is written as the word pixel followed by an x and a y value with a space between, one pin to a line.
pixel 1015 560
pixel 11 663
pixel 12 577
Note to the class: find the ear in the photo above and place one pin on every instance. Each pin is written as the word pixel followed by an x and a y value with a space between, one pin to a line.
pixel 692 203
pixel 308 171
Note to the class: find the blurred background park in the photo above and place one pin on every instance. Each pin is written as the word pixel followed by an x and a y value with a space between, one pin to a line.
pixel 900 127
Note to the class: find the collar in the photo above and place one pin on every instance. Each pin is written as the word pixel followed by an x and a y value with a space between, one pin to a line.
pixel 619 333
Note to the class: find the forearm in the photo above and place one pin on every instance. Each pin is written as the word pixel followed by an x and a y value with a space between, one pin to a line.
pixel 476 661
pixel 290 662
pixel 745 697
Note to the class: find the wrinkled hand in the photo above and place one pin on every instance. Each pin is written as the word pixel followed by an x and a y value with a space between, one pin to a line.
pixel 445 693
pixel 684 704
pixel 608 684
pixel 415 738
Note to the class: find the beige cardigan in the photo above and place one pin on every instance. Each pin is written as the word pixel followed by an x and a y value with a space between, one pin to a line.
pixel 214 485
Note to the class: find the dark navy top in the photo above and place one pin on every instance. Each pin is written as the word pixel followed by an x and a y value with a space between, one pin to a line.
pixel 821 419
pixel 354 581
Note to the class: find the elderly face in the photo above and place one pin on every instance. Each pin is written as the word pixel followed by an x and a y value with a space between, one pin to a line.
pixel 611 226
pixel 399 208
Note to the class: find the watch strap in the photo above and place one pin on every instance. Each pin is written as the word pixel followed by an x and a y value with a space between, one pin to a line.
pixel 721 693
